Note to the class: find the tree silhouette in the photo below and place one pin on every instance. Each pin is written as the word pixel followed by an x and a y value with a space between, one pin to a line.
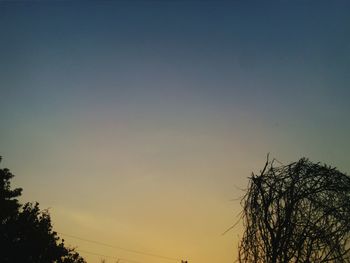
pixel 26 233
pixel 8 202
pixel 296 213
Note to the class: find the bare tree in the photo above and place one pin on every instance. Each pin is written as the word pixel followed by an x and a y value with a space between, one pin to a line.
pixel 296 213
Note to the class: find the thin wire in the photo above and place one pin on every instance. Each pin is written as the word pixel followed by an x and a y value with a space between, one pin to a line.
pixel 121 248
pixel 106 256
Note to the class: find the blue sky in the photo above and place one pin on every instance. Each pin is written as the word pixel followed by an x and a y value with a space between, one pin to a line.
pixel 137 100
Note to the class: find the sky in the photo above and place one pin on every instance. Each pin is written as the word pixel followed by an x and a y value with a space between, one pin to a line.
pixel 138 123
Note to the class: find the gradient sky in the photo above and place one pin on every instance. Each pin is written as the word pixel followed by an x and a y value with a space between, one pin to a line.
pixel 136 122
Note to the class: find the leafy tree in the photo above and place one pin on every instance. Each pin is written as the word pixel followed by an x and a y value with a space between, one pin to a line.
pixel 296 213
pixel 8 202
pixel 26 233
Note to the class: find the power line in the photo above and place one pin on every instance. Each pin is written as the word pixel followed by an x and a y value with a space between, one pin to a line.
pixel 121 248
pixel 106 256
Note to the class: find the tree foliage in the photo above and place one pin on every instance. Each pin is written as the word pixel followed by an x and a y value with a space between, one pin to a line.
pixel 296 213
pixel 26 233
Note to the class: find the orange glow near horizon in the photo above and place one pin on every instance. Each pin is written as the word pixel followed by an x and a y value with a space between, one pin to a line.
pixel 137 122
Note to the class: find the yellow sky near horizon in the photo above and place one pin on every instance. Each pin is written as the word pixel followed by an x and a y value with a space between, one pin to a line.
pixel 138 122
